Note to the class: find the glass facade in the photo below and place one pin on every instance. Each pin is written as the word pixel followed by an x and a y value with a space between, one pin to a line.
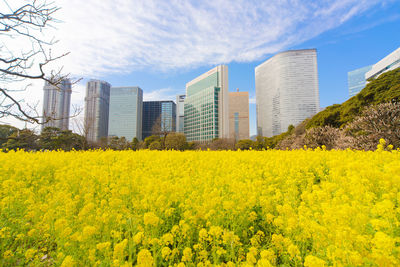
pixel 97 103
pixel 158 112
pixel 201 115
pixel 390 62
pixel 356 80
pixel 236 119
pixel 206 107
pixel 209 81
pixel 125 119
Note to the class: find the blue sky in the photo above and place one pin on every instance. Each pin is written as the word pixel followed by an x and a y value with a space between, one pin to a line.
pixel 361 41
pixel 161 45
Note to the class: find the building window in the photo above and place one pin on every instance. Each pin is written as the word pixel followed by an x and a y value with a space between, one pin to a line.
pixel 236 124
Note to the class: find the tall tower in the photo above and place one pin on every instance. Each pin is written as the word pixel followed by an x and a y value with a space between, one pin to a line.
pixel 126 105
pixel 286 90
pixel 97 103
pixel 56 105
pixel 239 115
pixel 180 113
pixel 207 106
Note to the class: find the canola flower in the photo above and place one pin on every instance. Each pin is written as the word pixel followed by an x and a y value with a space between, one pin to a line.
pixel 168 208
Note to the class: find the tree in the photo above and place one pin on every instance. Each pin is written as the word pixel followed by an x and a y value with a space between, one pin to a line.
pixel 22 139
pixel 176 141
pixel 222 144
pixel 156 145
pixel 83 127
pixel 5 132
pixel 135 144
pixel 52 138
pixel 118 143
pixel 150 139
pixel 163 126
pixel 376 122
pixel 244 144
pixel 26 25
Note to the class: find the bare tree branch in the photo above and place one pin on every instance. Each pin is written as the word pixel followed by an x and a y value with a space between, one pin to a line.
pixel 27 24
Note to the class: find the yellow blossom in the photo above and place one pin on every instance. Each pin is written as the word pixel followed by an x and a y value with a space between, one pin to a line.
pixel 144 258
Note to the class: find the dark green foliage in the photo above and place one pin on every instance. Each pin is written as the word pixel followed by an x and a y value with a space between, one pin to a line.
pixel 244 144
pixel 5 132
pixel 53 138
pixel 118 143
pixel 386 88
pixel 271 142
pixel 156 145
pixel 150 139
pixel 135 144
pixel 21 139
pixel 175 141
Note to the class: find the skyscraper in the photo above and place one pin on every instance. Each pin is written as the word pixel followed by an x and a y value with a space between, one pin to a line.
pixel 97 103
pixel 207 106
pixel 158 116
pixel 286 90
pixel 180 113
pixel 126 106
pixel 239 115
pixel 56 105
pixel 356 80
pixel 390 62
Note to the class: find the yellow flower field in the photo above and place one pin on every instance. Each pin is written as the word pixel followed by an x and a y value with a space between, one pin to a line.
pixel 163 208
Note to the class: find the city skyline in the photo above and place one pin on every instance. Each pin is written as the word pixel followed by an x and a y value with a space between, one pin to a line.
pixel 353 35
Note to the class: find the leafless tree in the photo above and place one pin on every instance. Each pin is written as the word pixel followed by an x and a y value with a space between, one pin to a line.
pixel 381 121
pixel 26 25
pixel 163 126
pixel 82 127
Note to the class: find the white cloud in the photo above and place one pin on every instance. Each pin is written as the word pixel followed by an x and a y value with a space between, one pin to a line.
pixel 160 94
pixel 252 100
pixel 123 35
pixel 120 36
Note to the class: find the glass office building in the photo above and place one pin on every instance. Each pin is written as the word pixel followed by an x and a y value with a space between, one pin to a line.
pixel 356 80
pixel 206 106
pixel 158 114
pixel 125 119
pixel 286 91
pixel 97 102
pixel 56 105
pixel 390 62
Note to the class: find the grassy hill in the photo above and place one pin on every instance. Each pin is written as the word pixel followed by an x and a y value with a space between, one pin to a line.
pixel 385 88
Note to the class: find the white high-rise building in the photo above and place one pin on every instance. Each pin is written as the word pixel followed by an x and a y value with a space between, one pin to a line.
pixel 180 116
pixel 56 105
pixel 97 103
pixel 286 90
pixel 207 106
pixel 390 62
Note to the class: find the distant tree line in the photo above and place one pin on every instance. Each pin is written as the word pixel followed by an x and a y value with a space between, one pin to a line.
pixel 364 132
pixel 358 123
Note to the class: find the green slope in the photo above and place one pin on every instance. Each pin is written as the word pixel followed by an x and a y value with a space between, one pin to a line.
pixel 385 88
